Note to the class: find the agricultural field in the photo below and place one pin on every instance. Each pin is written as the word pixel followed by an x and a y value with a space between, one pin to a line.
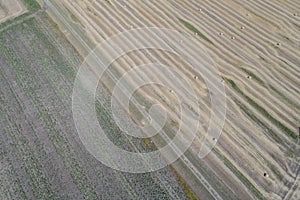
pixel 41 156
pixel 254 44
pixel 10 9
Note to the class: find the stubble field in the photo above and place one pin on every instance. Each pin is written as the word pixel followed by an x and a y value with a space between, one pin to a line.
pixel 255 45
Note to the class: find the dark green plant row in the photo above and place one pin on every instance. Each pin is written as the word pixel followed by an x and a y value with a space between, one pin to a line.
pixel 259 80
pixel 281 126
pixel 190 194
pixel 195 30
pixel 256 78
pixel 32 5
pixel 260 123
pixel 242 178
pixel 284 97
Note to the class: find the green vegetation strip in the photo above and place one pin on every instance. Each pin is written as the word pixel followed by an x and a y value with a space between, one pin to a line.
pixel 246 110
pixel 12 20
pixel 284 97
pixel 195 30
pixel 256 78
pixel 282 127
pixel 259 122
pixel 263 58
pixel 253 76
pixel 184 186
pixel 32 5
pixel 234 170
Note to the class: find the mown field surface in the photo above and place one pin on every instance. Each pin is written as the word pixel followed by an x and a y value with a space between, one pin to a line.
pixel 41 156
pixel 255 44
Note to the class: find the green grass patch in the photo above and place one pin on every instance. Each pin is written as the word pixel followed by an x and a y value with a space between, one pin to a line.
pixel 260 123
pixel 256 78
pixel 275 171
pixel 233 85
pixel 284 62
pixel 108 1
pixel 195 30
pixel 281 126
pixel 284 97
pixel 272 167
pixel 184 186
pixel 262 58
pixel 12 20
pixel 32 5
pixel 242 178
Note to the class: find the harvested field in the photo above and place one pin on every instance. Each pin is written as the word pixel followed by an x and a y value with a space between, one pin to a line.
pixel 11 9
pixel 41 155
pixel 255 44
